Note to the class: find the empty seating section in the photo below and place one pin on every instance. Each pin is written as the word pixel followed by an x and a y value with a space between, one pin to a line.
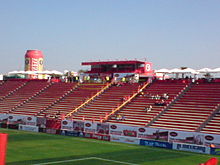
pixel 213 125
pixel 30 89
pixel 9 87
pixel 135 112
pixel 44 99
pixel 106 102
pixel 190 111
pixel 74 99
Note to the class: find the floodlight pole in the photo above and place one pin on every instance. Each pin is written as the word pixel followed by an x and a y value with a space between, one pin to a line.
pixel 3 147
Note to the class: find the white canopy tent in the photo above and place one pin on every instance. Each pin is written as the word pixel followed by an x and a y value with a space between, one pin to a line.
pixel 205 70
pixel 53 72
pixel 162 71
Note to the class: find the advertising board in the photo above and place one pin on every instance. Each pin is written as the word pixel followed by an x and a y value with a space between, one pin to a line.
pixel 28 128
pixel 124 139
pixel 154 143
pixel 191 148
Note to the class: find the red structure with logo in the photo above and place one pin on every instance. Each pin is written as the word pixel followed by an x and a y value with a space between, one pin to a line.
pixel 129 66
pixel 34 61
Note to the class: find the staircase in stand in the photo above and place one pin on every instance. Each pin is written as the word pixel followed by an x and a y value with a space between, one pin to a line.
pixel 134 113
pixel 106 102
pixel 43 99
pixel 73 99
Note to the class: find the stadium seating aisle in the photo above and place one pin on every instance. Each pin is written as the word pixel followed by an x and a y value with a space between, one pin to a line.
pixel 190 111
pixel 106 102
pixel 21 95
pixel 74 99
pixel 44 99
pixel 9 87
pixel 135 113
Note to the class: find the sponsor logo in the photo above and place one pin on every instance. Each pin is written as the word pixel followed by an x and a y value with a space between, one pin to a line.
pixel 174 134
pixel 113 126
pixel 130 133
pixel 29 118
pixel 209 137
pixel 141 130
pixel 65 122
pixel 88 125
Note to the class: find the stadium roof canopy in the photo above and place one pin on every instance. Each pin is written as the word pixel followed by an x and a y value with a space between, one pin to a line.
pixel 113 62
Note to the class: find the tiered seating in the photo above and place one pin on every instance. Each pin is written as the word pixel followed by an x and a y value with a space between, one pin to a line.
pixel 74 99
pixel 213 125
pixel 44 99
pixel 9 87
pixel 135 112
pixel 21 95
pixel 189 112
pixel 106 102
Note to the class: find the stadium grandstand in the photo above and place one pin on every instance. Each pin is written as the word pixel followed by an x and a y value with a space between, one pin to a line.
pixel 115 98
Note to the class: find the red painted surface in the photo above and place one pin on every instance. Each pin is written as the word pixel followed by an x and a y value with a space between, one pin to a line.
pixel 34 54
pixel 33 61
pixel 3 147
pixel 129 66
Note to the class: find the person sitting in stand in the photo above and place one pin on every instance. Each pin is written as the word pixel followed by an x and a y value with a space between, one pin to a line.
pixel 148 109
pixel 165 96
pixel 118 117
pixel 160 103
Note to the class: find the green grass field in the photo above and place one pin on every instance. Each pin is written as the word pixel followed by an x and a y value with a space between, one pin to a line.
pixel 26 148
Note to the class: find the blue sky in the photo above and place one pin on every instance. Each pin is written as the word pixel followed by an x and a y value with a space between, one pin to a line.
pixel 169 33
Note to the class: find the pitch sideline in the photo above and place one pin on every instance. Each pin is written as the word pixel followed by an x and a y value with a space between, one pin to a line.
pixel 97 158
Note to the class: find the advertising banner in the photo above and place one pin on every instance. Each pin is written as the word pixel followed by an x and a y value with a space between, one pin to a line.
pixel 72 133
pixel 3 118
pixel 191 148
pixel 186 137
pixel 123 130
pixel 16 119
pixel 28 128
pixel 212 140
pixel 67 125
pixel 97 136
pixel 51 131
pixel 153 134
pixel 78 126
pixel 30 120
pixel 90 126
pixel 124 139
pixel 102 128
pixel 41 122
pixel 215 151
pixel 154 143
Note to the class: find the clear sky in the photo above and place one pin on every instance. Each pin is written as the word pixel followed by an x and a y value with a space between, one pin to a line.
pixel 169 33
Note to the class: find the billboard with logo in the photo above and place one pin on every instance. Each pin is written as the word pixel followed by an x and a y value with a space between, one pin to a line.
pixel 191 148
pixel 16 119
pixel 102 128
pixel 153 143
pixel 212 140
pixel 41 122
pixel 90 126
pixel 186 137
pixel 125 139
pixel 3 118
pixel 67 125
pixel 153 134
pixel 78 126
pixel 123 130
pixel 30 128
pixel 30 120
